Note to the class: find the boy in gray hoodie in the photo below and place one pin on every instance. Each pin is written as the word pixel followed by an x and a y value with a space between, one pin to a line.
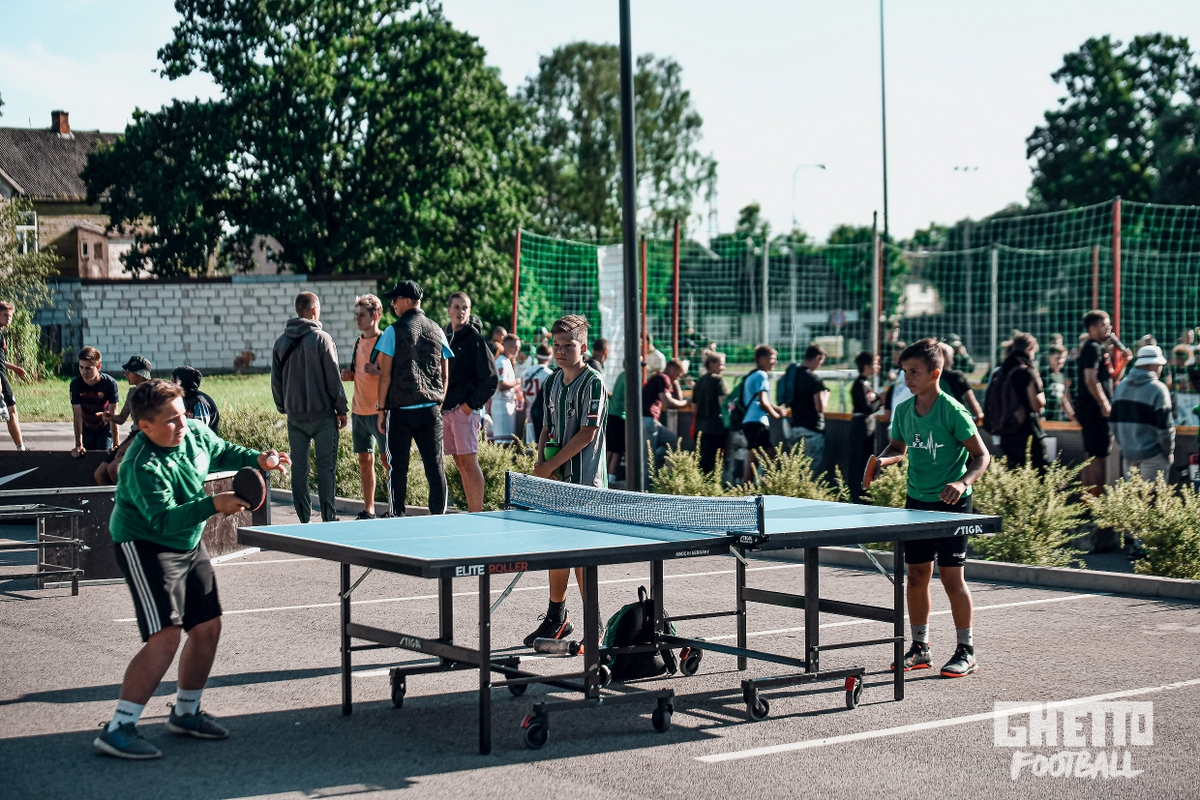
pixel 307 386
pixel 1142 415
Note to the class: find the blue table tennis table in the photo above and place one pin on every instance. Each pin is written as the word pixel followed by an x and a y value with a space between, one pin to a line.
pixel 553 525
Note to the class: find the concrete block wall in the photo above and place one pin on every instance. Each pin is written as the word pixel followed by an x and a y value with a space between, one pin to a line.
pixel 202 323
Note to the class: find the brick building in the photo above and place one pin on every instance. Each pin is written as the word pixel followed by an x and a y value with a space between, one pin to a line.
pixel 43 166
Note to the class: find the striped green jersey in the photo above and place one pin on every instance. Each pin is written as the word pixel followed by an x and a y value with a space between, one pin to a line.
pixel 569 407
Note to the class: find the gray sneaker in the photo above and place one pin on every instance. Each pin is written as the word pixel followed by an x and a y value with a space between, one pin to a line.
pixel 200 725
pixel 125 741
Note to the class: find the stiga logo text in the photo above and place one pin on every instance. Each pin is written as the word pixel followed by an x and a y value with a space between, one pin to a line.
pixel 967 530
pixel 469 572
pixel 512 566
pixel 410 643
pixel 1097 736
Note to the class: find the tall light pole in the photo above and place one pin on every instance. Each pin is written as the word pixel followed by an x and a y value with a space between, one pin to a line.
pixel 635 454
pixel 883 120
pixel 796 172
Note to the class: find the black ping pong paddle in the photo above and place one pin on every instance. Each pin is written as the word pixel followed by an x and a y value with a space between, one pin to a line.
pixel 250 488
pixel 870 472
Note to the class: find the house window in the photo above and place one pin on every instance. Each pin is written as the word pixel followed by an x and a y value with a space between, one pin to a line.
pixel 99 250
pixel 85 249
pixel 27 233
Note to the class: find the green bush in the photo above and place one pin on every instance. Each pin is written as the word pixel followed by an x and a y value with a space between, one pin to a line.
pixel 1037 514
pixel 494 461
pixel 1165 518
pixel 789 473
pixel 680 474
pixel 24 347
pixel 264 429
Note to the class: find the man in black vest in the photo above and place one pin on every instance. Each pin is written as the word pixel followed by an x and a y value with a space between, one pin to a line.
pixel 414 369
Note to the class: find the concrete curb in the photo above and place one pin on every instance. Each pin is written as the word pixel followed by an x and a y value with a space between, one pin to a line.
pixel 346 505
pixel 1022 574
pixel 997 571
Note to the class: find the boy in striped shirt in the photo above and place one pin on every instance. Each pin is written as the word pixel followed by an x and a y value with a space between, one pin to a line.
pixel 575 406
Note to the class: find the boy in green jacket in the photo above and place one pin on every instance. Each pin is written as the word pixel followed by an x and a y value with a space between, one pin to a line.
pixel 156 523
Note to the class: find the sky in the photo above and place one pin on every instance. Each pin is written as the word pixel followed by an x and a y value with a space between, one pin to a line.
pixel 780 85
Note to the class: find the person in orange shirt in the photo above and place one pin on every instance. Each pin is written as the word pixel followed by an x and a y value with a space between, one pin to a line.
pixel 363 429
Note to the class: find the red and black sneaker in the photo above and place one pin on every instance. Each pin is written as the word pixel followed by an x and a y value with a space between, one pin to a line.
pixel 917 657
pixel 551 628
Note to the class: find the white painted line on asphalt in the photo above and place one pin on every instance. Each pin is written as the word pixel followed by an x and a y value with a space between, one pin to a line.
pixel 474 594
pixel 809 744
pixel 266 561
pixel 931 613
pixel 236 554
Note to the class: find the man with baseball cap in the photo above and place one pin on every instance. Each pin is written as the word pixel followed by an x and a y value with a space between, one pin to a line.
pixel 414 370
pixel 1142 417
pixel 137 371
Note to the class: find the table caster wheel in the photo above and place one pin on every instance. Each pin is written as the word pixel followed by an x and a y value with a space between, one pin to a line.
pixel 604 675
pixel 690 663
pixel 536 730
pixel 758 709
pixel 854 688
pixel 399 688
pixel 661 719
pixel 518 689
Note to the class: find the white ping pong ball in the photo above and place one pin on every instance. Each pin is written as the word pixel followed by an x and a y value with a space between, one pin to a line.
pixel 272 461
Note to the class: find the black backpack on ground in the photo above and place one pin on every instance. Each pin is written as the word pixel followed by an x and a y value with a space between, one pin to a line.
pixel 632 625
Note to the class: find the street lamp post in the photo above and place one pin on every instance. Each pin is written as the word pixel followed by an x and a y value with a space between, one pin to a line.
pixel 969 318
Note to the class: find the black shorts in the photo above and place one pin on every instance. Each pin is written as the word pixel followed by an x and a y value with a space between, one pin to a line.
pixel 614 434
pixel 1097 435
pixel 951 551
pixel 6 395
pixel 169 587
pixel 757 435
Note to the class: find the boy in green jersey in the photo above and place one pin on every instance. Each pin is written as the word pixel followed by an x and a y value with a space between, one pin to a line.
pixel 575 407
pixel 157 519
pixel 946 455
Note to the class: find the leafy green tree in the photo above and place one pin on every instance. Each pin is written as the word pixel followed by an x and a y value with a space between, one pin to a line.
pixel 575 105
pixel 367 138
pixel 24 272
pixel 1129 112
pixel 171 167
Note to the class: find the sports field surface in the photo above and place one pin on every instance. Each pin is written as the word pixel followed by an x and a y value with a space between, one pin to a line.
pixel 276 685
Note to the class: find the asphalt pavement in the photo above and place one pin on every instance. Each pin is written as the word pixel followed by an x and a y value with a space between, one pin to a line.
pixel 276 685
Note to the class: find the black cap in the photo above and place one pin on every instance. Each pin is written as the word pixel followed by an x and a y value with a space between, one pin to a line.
pixel 187 377
pixel 138 365
pixel 409 289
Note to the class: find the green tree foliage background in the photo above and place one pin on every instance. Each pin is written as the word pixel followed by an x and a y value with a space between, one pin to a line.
pixel 1126 127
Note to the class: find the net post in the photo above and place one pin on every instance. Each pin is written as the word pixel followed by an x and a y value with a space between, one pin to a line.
pixel 994 338
pixel 967 281
pixel 766 279
pixel 1116 259
pixel 644 252
pixel 675 294
pixel 516 281
pixel 876 294
pixel 760 507
pixel 507 488
pixel 1095 276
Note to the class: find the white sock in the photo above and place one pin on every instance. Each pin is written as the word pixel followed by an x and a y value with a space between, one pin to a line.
pixel 187 701
pixel 127 711
pixel 920 633
pixel 964 637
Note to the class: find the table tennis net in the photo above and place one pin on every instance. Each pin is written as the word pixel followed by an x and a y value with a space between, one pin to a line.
pixel 699 514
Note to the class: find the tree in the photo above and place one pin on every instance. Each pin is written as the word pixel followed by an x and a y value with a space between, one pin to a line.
pixel 575 105
pixel 365 137
pixel 1128 114
pixel 171 167
pixel 24 271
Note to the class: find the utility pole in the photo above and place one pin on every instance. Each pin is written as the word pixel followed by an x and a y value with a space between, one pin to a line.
pixel 635 454
pixel 883 120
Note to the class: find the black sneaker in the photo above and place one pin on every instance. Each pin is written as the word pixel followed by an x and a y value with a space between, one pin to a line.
pixel 551 629
pixel 364 514
pixel 917 657
pixel 962 663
